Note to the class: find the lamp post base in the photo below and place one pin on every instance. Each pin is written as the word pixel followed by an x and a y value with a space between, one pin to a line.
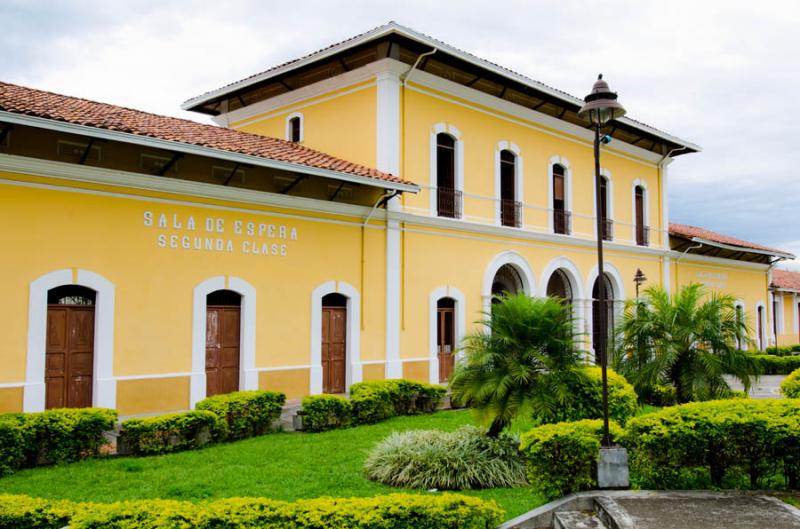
pixel 612 468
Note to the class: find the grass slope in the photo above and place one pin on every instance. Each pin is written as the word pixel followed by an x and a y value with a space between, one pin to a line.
pixel 284 466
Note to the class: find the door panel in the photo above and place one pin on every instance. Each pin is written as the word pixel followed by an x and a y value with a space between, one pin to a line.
pixel 222 349
pixel 334 349
pixel 69 357
pixel 445 342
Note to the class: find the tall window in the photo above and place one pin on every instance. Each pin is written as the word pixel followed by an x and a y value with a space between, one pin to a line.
pixel 642 231
pixel 739 321
pixel 561 217
pixel 509 207
pixel 448 200
pixel 606 224
pixel 294 129
pixel 445 336
pixel 760 326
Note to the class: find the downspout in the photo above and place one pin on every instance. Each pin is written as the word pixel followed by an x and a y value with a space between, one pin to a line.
pixel 382 200
pixel 678 260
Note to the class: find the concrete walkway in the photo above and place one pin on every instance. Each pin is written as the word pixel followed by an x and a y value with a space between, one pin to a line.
pixel 767 387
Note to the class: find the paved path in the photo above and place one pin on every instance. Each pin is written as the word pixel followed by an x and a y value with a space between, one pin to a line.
pixel 767 387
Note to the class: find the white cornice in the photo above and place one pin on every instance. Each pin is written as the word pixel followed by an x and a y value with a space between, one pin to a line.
pixel 186 148
pixel 709 242
pixel 705 259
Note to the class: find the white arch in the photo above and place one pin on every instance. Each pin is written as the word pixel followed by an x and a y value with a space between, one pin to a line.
pixel 605 173
pixel 518 178
pixel 570 271
pixel 519 263
pixel 645 203
pixel 762 338
pixel 615 278
pixel 104 386
pixel 459 145
pixel 354 371
pixel 560 160
pixel 289 125
pixel 248 376
pixel 459 321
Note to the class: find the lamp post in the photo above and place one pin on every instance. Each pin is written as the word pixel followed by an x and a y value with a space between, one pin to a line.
pixel 639 278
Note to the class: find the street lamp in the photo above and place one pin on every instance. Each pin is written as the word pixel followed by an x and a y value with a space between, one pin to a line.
pixel 639 278
pixel 600 107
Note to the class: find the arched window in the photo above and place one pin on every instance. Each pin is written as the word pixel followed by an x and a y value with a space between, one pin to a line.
pixel 561 216
pixel 558 286
pixel 642 230
pixel 445 336
pixel 606 224
pixel 294 127
pixel 510 208
pixel 448 199
pixel 507 281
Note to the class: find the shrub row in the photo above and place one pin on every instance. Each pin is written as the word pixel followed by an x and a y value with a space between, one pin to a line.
pixel 395 511
pixel 586 399
pixel 777 365
pixel 52 436
pixel 790 386
pixel 370 402
pixel 783 350
pixel 219 418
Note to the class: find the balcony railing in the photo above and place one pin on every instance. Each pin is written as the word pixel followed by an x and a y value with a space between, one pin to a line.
pixel 607 229
pixel 448 202
pixel 511 213
pixel 643 235
pixel 562 221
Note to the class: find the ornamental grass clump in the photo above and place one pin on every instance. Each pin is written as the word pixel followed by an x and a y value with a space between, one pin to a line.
pixel 430 459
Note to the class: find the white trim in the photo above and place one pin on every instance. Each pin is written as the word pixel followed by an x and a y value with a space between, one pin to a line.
pixel 522 267
pixel 645 213
pixel 177 146
pixel 354 373
pixel 664 200
pixel 730 263
pixel 155 376
pixel 394 368
pixel 387 123
pixel 518 180
pixel 571 271
pixel 739 303
pixel 666 279
pixel 459 322
pixel 563 162
pixel 7 385
pixel 289 118
pixel 604 173
pixel 444 128
pixel 104 387
pixel 761 341
pixel 741 248
pixel 248 377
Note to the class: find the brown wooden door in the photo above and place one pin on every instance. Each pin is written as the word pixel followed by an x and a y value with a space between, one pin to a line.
pixel 334 349
pixel 445 341
pixel 222 349
pixel 69 358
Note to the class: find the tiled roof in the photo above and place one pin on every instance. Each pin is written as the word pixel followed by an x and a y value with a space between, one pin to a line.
pixel 786 279
pixel 42 104
pixel 689 232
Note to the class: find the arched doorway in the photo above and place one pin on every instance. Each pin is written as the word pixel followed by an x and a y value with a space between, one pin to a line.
pixel 334 343
pixel 223 340
pixel 69 350
pixel 445 337
pixel 507 282
pixel 558 286
pixel 609 308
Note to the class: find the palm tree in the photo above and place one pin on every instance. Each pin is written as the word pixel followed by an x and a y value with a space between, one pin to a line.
pixel 521 363
pixel 688 340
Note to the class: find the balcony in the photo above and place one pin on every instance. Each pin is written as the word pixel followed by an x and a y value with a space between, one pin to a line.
pixel 643 235
pixel 607 229
pixel 562 221
pixel 448 202
pixel 511 213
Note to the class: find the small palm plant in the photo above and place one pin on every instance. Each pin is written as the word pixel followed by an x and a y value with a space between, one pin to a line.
pixel 688 340
pixel 521 364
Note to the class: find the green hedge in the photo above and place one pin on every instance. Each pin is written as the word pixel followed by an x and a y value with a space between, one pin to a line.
pixel 326 412
pixel 395 511
pixel 381 399
pixel 171 432
pixel 731 443
pixel 790 386
pixel 52 436
pixel 244 413
pixel 586 399
pixel 777 365
pixel 562 458
pixel 783 350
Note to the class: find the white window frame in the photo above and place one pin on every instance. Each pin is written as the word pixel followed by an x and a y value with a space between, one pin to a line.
pixel 564 162
pixel 446 128
pixel 289 126
pixel 645 203
pixel 518 180
pixel 741 304
pixel 762 341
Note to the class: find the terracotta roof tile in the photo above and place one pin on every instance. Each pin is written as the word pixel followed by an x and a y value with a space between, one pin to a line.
pixel 48 105
pixel 688 232
pixel 786 279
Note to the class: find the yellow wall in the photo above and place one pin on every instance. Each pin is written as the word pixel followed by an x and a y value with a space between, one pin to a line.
pixel 791 313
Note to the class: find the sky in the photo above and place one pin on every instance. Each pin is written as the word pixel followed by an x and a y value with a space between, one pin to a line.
pixel 721 74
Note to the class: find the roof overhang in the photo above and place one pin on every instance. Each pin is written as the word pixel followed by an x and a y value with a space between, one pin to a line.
pixel 198 150
pixel 708 242
pixel 439 46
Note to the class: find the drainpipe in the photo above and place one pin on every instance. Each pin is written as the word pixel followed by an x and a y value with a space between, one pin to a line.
pixel 678 260
pixel 378 203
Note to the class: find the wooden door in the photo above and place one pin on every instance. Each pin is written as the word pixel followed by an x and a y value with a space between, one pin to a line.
pixel 222 349
pixel 445 341
pixel 334 349
pixel 69 358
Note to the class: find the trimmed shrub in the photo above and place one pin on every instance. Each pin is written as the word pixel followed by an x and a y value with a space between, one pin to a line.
pixel 783 350
pixel 326 412
pixel 381 399
pixel 661 395
pixel 18 512
pixel 586 399
pixel 790 386
pixel 244 413
pixel 562 458
pixel 395 511
pixel 464 459
pixel 777 365
pixel 61 435
pixel 12 454
pixel 697 445
pixel 171 432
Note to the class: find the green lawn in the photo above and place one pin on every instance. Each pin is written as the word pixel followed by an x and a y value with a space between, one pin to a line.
pixel 285 466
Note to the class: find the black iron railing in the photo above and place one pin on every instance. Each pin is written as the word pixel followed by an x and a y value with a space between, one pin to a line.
pixel 448 202
pixel 562 221
pixel 511 213
pixel 643 235
pixel 607 228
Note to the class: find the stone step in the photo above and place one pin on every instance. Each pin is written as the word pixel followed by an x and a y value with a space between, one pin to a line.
pixel 577 520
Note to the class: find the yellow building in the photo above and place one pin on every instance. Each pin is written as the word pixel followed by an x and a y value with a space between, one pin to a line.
pixel 349 220
pixel 785 297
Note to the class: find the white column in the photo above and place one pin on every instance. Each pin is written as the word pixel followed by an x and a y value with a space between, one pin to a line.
pixel 665 203
pixel 666 281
